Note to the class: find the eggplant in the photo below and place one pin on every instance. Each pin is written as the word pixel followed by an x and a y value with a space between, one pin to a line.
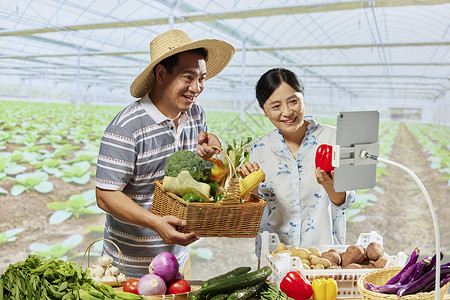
pixel 412 260
pixel 433 261
pixel 371 287
pixel 420 269
pixel 413 273
pixel 420 283
pixel 430 286
pixel 407 274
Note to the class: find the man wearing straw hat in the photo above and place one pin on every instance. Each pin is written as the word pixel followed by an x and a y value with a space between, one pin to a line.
pixel 136 144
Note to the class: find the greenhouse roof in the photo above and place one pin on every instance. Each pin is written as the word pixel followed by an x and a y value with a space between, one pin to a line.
pixel 364 49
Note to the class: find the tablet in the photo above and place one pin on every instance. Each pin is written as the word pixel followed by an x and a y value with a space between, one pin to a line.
pixel 356 130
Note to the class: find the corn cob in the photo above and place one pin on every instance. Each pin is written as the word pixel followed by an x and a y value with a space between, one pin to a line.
pixel 251 181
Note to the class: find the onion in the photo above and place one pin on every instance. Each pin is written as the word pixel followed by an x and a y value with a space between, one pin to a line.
pixel 151 284
pixel 165 265
pixel 179 275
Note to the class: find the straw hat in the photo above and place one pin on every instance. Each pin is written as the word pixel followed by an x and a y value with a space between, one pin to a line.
pixel 176 41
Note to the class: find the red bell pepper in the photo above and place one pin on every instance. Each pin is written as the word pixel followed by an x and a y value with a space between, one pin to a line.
pixel 296 285
pixel 323 157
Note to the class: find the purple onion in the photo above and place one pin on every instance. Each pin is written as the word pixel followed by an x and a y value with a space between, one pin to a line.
pixel 151 284
pixel 165 265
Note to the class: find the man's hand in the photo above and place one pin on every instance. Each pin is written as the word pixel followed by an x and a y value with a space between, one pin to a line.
pixel 205 141
pixel 166 227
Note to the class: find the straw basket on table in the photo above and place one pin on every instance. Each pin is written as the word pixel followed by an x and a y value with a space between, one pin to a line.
pixel 228 218
pixel 381 276
pixel 88 252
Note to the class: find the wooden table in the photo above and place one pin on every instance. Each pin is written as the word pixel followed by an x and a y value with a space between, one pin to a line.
pixel 197 283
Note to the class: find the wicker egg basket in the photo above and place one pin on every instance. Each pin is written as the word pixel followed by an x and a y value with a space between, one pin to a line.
pixel 88 252
pixel 381 276
pixel 228 218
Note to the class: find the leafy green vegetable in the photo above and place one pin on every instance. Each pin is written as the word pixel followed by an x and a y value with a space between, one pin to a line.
pixel 77 204
pixel 37 181
pixel 39 278
pixel 184 160
pixel 238 152
pixel 10 235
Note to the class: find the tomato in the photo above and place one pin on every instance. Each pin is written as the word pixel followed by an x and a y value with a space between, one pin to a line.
pixel 179 286
pixel 130 286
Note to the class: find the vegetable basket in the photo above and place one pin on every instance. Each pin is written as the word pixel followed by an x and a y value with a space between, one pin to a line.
pixel 87 253
pixel 381 276
pixel 228 218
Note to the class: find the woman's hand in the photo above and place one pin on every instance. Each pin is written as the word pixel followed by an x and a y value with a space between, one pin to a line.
pixel 205 141
pixel 247 168
pixel 326 180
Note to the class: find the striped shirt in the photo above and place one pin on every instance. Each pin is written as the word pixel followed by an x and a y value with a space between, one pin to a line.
pixel 133 153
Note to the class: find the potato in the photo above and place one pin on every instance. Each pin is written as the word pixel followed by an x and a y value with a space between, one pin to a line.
pixel 285 251
pixel 319 266
pixel 380 263
pixel 374 251
pixel 281 247
pixel 315 251
pixel 306 261
pixel 353 266
pixel 353 254
pixel 334 267
pixel 320 261
pixel 332 256
pixel 302 253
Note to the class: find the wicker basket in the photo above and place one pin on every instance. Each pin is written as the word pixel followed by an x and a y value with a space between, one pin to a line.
pixel 88 252
pixel 381 276
pixel 228 218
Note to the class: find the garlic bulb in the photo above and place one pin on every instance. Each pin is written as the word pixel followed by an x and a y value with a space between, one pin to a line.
pixel 105 260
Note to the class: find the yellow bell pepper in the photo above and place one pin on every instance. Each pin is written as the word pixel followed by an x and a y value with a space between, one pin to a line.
pixel 219 171
pixel 324 289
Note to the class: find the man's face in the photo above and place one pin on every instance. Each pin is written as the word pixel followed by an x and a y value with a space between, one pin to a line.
pixel 184 84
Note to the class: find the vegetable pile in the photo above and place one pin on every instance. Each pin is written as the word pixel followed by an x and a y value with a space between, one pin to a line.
pixel 163 277
pixel 39 278
pixel 354 257
pixel 184 160
pixel 204 180
pixel 105 272
pixel 415 277
pixel 239 284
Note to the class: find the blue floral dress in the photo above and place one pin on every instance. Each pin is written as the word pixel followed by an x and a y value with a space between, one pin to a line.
pixel 298 208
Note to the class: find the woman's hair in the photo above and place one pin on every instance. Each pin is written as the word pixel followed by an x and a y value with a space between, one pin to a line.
pixel 272 79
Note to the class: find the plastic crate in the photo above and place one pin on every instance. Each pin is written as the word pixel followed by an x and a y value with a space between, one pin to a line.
pixel 346 279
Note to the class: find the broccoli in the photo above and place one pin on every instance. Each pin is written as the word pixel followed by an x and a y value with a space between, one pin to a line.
pixel 199 168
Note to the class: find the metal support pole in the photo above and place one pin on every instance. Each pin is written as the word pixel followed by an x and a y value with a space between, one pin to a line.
pixel 243 79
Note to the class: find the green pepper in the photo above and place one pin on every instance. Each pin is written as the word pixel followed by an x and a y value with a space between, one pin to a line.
pixel 214 188
pixel 219 197
pixel 191 197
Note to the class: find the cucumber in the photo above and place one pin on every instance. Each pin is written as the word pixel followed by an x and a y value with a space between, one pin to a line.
pixel 246 292
pixel 238 282
pixel 220 297
pixel 195 295
pixel 233 273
